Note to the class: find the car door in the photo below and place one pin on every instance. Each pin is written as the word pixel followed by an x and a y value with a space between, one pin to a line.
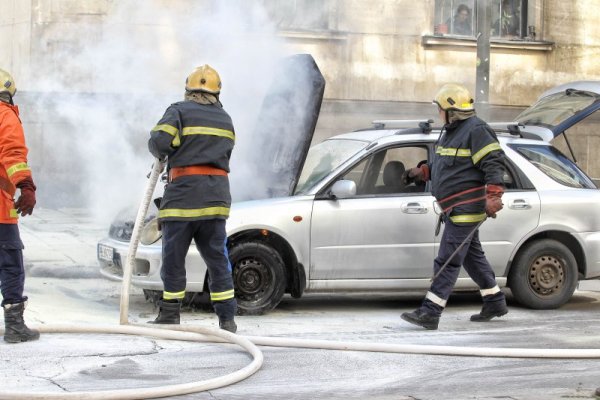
pixel 385 231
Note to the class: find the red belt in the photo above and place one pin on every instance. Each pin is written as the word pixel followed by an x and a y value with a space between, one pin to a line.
pixel 177 172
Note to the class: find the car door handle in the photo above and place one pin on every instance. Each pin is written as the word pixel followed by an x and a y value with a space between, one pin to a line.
pixel 519 204
pixel 414 208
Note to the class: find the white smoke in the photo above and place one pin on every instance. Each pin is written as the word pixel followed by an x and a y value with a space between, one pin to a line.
pixel 115 83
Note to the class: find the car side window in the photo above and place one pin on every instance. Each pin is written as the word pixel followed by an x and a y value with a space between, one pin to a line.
pixel 381 173
pixel 356 173
pixel 514 179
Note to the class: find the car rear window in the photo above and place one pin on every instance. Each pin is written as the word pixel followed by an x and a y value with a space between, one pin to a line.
pixel 324 158
pixel 556 165
pixel 556 108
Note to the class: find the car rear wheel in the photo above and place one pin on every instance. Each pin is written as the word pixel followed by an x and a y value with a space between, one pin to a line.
pixel 544 275
pixel 258 277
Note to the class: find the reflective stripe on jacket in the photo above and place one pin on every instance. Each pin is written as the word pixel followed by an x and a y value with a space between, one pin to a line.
pixel 467 156
pixel 13 160
pixel 192 134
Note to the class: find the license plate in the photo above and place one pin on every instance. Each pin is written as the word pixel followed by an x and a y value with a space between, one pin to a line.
pixel 105 252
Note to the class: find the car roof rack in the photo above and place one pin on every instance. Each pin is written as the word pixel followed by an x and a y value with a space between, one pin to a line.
pixel 514 129
pixel 510 127
pixel 424 124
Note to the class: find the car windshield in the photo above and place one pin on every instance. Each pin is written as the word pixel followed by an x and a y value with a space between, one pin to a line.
pixel 555 164
pixel 556 108
pixel 324 158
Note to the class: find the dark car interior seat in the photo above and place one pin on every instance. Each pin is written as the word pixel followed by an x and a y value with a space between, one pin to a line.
pixel 392 177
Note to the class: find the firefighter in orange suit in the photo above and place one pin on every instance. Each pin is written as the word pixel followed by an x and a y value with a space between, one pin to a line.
pixel 14 174
pixel 196 137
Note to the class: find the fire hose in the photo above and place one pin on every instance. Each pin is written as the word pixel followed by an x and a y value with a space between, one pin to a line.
pixel 249 343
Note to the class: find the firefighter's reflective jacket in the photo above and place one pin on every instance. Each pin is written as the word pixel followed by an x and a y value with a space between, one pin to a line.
pixel 467 157
pixel 198 140
pixel 13 160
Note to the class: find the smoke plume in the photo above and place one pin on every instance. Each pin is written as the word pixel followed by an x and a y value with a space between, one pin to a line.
pixel 107 92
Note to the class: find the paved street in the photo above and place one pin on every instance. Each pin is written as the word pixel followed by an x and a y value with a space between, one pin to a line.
pixel 65 287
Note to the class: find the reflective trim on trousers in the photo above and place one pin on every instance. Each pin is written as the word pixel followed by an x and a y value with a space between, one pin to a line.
pixel 490 291
pixel 435 299
pixel 173 295
pixel 220 296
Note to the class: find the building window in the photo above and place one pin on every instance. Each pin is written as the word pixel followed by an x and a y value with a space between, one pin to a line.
pixel 454 17
pixel 508 19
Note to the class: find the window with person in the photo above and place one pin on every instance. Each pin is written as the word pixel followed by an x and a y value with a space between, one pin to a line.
pixel 506 18
pixel 459 18
pixel 382 173
pixel 462 22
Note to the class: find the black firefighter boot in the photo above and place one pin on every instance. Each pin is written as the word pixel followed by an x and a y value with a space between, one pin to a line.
pixel 15 329
pixel 226 311
pixel 228 325
pixel 168 312
pixel 421 318
pixel 490 310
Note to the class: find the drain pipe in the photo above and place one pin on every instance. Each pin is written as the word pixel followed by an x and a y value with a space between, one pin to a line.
pixel 157 167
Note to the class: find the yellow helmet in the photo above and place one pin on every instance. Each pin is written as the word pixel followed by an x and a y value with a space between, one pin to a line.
pixel 453 96
pixel 204 79
pixel 7 83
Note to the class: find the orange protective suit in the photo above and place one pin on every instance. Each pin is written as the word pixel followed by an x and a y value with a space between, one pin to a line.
pixel 13 160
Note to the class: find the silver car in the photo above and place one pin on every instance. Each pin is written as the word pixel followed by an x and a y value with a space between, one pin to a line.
pixel 352 226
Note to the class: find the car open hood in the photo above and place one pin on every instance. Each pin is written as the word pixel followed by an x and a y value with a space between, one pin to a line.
pixel 563 106
pixel 284 130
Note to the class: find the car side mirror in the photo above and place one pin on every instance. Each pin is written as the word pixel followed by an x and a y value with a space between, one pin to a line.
pixel 343 189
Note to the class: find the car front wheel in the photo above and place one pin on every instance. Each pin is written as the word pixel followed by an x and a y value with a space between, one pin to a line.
pixel 544 275
pixel 258 277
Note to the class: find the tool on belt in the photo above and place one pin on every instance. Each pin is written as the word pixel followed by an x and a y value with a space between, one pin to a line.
pixel 460 246
pixel 438 225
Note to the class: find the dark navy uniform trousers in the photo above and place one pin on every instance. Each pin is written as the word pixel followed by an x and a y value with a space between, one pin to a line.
pixel 12 272
pixel 471 256
pixel 210 238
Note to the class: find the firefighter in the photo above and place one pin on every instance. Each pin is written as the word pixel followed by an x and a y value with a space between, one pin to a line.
pixel 466 180
pixel 14 174
pixel 196 137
